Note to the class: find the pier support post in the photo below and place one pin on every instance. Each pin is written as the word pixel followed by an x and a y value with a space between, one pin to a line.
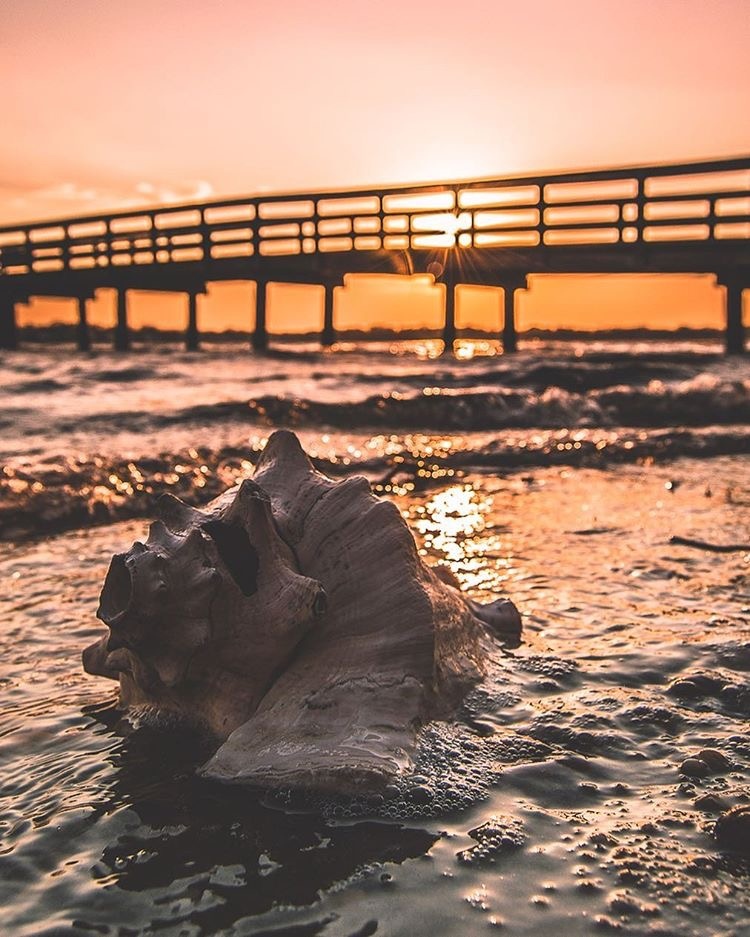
pixel 328 335
pixel 122 332
pixel 735 329
pixel 192 337
pixel 8 324
pixel 83 336
pixel 510 334
pixel 449 325
pixel 260 333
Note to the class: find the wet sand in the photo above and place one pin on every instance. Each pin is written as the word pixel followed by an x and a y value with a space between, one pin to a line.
pixel 554 804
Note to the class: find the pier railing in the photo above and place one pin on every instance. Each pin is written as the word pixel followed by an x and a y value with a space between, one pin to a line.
pixel 689 217
pixel 690 202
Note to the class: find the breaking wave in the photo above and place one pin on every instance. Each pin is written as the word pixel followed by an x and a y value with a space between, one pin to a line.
pixel 90 440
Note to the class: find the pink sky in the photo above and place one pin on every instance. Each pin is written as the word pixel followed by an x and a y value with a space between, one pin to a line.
pixel 108 104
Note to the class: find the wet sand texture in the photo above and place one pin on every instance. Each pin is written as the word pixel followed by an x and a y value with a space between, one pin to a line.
pixel 566 797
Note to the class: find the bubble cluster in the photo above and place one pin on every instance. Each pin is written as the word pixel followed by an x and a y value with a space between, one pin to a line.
pixel 486 699
pixel 454 768
pixel 574 738
pixel 553 668
pixel 646 715
pixel 496 837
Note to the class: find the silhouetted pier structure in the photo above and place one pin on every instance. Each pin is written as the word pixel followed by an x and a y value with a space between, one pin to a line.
pixel 683 218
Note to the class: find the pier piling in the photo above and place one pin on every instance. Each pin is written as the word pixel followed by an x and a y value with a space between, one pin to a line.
pixel 449 325
pixel 510 332
pixel 735 329
pixel 122 330
pixel 192 336
pixel 83 335
pixel 260 332
pixel 8 324
pixel 328 335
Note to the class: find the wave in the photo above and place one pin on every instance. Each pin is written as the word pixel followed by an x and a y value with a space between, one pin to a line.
pixel 696 402
pixel 70 492
pixel 68 422
pixel 689 403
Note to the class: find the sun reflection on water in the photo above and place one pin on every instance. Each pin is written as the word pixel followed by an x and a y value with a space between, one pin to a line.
pixel 453 530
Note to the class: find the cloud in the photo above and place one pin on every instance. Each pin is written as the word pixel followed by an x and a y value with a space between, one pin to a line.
pixel 199 190
pixel 71 198
pixel 66 192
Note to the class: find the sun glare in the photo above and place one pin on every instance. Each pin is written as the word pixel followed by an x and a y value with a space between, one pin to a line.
pixel 451 223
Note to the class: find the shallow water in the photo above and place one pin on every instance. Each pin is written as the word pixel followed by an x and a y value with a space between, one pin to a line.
pixel 566 810
pixel 57 402
pixel 94 438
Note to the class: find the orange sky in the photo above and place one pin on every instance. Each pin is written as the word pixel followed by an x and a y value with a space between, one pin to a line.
pixel 109 105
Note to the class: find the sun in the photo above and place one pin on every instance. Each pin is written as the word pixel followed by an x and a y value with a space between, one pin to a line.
pixel 442 228
pixel 456 226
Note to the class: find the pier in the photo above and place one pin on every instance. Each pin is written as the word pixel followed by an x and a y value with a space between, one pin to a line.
pixel 687 218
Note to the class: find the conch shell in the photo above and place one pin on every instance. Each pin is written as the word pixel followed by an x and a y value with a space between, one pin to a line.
pixel 294 620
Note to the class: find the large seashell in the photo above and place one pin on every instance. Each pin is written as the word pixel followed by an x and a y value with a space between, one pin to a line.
pixel 294 619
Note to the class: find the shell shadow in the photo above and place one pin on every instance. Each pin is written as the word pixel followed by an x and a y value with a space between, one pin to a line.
pixel 227 850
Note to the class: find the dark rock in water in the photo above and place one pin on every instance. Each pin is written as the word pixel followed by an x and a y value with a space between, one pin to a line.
pixel 696 685
pixel 708 761
pixel 685 689
pixel 736 698
pixel 732 829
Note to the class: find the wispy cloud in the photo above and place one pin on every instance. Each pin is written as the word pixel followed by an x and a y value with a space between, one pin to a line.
pixel 187 192
pixel 74 198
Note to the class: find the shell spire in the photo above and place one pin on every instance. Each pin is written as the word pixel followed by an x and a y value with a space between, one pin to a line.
pixel 177 515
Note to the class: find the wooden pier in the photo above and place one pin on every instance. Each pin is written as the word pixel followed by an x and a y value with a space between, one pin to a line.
pixel 681 218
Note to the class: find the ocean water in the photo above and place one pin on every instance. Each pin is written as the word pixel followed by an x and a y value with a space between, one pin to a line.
pixel 556 802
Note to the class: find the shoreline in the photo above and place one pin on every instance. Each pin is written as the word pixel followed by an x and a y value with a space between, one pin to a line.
pixel 67 334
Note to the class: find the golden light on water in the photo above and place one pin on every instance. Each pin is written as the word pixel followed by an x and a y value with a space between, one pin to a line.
pixel 453 529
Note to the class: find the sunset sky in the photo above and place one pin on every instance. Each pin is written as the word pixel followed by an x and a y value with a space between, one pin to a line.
pixel 109 105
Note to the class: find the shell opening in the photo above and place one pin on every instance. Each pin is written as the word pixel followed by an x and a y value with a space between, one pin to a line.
pixel 239 555
pixel 117 592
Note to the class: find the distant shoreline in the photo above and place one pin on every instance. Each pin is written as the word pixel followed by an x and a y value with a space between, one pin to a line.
pixel 62 334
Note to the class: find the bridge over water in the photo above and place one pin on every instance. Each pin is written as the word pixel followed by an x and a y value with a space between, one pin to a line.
pixel 680 218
